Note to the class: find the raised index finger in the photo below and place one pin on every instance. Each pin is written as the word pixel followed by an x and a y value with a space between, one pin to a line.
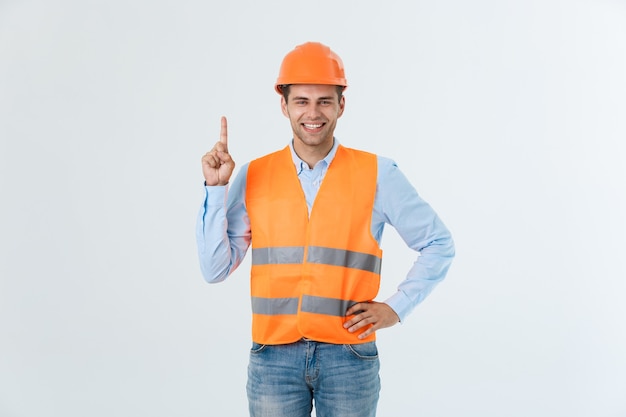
pixel 224 133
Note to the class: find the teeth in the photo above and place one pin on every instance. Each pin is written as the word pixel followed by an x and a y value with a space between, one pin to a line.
pixel 309 126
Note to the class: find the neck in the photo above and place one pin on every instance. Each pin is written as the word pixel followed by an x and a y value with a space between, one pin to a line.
pixel 312 154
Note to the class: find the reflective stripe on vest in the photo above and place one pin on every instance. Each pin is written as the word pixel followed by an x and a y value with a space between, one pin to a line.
pixel 317 255
pixel 310 304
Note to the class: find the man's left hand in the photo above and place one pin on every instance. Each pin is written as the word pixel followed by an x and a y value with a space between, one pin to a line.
pixel 372 315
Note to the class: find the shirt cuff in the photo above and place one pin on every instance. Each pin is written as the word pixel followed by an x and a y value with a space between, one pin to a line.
pixel 401 304
pixel 215 195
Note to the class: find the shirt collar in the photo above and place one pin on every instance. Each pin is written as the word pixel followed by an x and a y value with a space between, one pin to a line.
pixel 301 165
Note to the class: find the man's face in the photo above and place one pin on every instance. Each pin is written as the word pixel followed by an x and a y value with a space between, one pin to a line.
pixel 313 111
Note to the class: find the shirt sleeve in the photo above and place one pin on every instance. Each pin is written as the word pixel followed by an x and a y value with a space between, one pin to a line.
pixel 398 204
pixel 223 229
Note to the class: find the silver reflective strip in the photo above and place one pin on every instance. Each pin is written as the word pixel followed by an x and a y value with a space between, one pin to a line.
pixel 278 255
pixel 349 259
pixel 274 306
pixel 323 305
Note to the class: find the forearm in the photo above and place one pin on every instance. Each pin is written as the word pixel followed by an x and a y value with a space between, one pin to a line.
pixel 429 269
pixel 221 234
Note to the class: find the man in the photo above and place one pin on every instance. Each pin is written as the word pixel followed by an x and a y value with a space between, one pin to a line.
pixel 314 213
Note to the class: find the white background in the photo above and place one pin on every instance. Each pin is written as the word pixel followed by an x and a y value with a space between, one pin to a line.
pixel 508 117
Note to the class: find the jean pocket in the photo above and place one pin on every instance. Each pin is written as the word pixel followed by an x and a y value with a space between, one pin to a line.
pixel 365 351
pixel 257 347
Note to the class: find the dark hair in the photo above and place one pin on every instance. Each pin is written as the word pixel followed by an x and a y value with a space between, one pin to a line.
pixel 286 87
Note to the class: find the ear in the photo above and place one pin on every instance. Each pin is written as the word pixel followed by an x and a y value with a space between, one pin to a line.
pixel 342 106
pixel 283 106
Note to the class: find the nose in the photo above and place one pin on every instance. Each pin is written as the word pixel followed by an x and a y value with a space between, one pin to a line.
pixel 313 111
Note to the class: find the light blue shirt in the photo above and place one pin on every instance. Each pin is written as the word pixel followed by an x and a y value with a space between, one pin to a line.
pixel 223 227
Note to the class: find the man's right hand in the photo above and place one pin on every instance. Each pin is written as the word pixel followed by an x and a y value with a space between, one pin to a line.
pixel 217 165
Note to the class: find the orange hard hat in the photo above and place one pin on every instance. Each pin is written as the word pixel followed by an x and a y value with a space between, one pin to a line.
pixel 311 63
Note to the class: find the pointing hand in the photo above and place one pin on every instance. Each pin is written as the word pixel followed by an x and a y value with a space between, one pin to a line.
pixel 217 165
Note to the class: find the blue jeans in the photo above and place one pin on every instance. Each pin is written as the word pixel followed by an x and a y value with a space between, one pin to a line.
pixel 285 380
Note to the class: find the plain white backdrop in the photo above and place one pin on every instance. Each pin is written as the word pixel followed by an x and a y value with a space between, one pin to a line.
pixel 508 116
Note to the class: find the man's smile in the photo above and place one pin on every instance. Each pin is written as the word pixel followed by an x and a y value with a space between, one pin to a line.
pixel 312 127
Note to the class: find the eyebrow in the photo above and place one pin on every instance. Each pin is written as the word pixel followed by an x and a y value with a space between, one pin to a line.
pixel 307 98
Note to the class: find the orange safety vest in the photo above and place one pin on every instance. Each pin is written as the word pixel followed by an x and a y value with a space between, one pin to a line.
pixel 306 272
